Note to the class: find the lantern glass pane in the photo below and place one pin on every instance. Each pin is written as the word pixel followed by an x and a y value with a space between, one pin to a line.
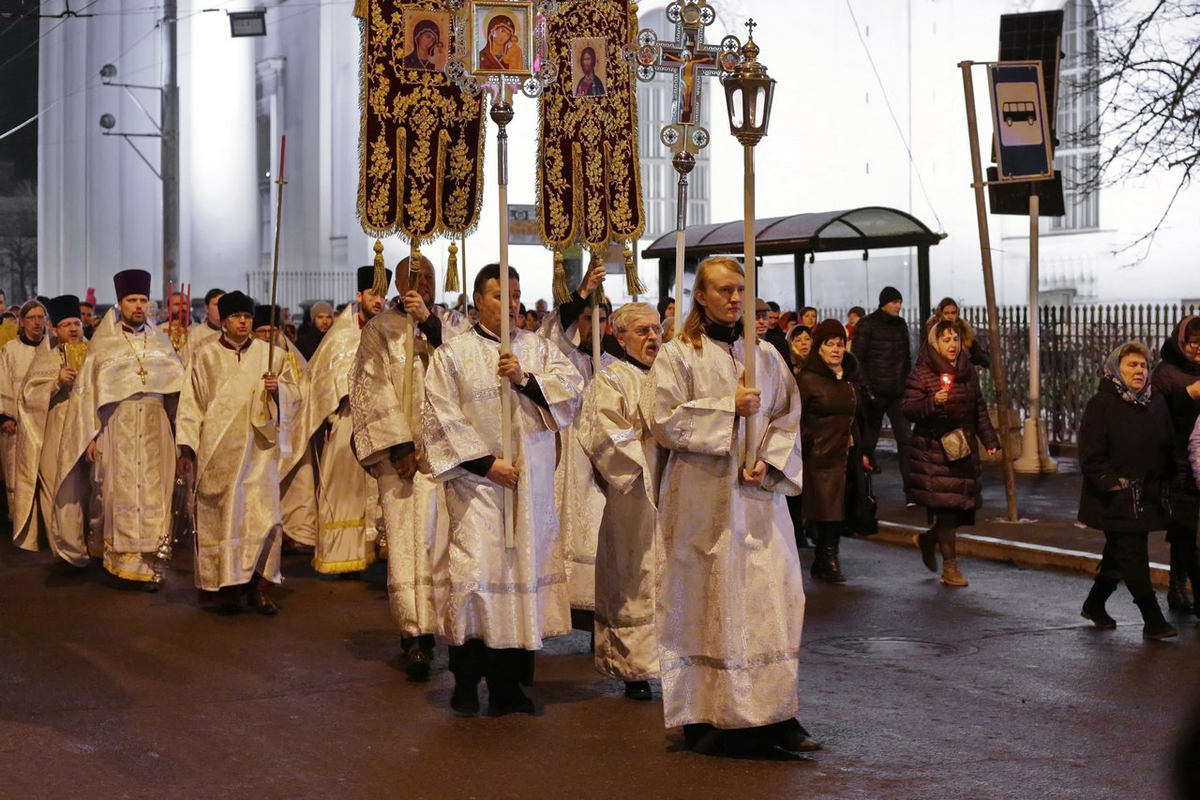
pixel 759 106
pixel 735 108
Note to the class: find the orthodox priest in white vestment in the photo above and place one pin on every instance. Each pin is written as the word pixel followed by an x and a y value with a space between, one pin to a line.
pixel 41 415
pixel 579 499
pixel 731 599
pixel 613 433
pixel 15 357
pixel 503 601
pixel 119 423
pixel 235 427
pixel 347 495
pixel 386 410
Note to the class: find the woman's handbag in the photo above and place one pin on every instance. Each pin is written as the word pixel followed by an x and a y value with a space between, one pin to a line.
pixel 956 445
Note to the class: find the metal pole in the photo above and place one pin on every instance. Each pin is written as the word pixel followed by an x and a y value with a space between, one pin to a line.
pixel 989 289
pixel 275 262
pixel 749 303
pixel 1031 459
pixel 684 162
pixel 169 143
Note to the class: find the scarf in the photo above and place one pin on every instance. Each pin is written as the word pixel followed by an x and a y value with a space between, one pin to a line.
pixel 1112 372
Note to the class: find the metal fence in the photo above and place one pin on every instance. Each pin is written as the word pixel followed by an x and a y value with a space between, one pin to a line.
pixel 1075 341
pixel 296 288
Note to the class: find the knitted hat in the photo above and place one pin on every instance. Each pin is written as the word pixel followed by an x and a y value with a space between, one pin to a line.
pixel 320 307
pixel 826 330
pixel 890 294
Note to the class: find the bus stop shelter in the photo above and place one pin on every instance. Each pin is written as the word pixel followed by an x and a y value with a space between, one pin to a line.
pixel 802 235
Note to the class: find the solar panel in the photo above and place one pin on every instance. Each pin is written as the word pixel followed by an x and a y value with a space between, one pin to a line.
pixel 1036 37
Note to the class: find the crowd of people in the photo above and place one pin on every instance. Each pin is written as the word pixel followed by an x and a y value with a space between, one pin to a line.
pixel 653 498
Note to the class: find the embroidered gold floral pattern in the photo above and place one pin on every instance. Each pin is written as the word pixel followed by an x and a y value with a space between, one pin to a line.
pixel 421 141
pixel 589 183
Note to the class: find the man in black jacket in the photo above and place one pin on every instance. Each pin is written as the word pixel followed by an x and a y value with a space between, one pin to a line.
pixel 884 353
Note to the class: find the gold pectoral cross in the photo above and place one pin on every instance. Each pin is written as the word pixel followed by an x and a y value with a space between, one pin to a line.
pixel 142 374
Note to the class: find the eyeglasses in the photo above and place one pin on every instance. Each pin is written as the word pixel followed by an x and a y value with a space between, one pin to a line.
pixel 646 330
pixel 1189 345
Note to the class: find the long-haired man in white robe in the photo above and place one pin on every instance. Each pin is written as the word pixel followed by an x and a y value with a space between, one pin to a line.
pixel 386 411
pixel 347 497
pixel 119 425
pixel 15 357
pixel 731 601
pixel 579 500
pixel 42 413
pixel 502 601
pixel 613 433
pixel 235 421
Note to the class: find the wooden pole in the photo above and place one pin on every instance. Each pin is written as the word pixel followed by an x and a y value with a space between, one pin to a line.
pixel 502 114
pixel 750 303
pixel 597 331
pixel 275 263
pixel 410 331
pixel 989 289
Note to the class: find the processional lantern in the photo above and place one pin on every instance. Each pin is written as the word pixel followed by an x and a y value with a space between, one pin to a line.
pixel 748 95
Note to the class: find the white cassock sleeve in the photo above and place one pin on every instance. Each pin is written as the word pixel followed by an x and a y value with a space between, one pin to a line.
pixel 703 425
pixel 607 435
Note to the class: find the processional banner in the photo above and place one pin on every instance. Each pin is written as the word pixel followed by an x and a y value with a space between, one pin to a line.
pixel 589 180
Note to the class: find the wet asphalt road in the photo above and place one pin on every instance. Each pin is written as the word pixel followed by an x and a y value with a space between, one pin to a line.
pixel 999 690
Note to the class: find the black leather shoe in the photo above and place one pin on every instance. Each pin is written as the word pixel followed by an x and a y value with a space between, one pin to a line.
pixel 263 604
pixel 638 690
pixel 511 700
pixel 228 609
pixel 465 700
pixel 1177 599
pixel 928 547
pixel 419 664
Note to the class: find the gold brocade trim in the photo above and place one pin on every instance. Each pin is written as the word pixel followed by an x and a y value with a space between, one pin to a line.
pixel 341 524
pixel 335 567
pixel 128 576
pixel 589 177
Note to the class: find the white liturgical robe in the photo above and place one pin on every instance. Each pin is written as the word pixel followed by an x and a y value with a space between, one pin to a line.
pixel 731 599
pixel 507 597
pixel 15 358
pixel 613 433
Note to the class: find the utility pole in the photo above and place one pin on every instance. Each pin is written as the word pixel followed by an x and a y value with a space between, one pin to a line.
pixel 169 164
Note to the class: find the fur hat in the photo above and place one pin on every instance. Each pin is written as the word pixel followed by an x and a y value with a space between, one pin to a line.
pixel 234 303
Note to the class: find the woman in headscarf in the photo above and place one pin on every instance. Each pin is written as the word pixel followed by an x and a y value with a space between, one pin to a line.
pixel 829 436
pixel 799 341
pixel 1177 380
pixel 949 415
pixel 1127 459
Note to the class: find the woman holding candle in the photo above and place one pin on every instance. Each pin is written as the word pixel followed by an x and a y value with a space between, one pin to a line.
pixel 943 400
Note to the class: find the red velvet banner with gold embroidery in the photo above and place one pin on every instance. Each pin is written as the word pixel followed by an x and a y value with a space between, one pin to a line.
pixel 421 141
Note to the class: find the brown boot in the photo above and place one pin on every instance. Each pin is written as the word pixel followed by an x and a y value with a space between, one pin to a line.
pixel 950 574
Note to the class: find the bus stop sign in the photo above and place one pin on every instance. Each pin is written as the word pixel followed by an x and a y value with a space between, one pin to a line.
pixel 1023 144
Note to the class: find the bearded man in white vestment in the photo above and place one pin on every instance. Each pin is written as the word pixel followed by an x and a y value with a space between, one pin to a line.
pixel 386 411
pixel 613 433
pixel 119 426
pixel 579 499
pixel 503 601
pixel 347 496
pixel 42 413
pixel 15 357
pixel 731 600
pixel 235 427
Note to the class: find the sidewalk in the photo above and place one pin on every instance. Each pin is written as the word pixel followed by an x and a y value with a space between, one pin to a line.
pixel 1047 535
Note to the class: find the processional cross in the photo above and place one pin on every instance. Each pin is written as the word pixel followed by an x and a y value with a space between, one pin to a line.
pixel 688 60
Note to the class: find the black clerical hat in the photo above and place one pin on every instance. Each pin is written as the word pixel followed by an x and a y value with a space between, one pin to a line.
pixel 262 316
pixel 366 278
pixel 235 303
pixel 131 281
pixel 62 308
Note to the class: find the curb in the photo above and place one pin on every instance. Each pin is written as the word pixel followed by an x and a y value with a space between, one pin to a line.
pixel 1023 554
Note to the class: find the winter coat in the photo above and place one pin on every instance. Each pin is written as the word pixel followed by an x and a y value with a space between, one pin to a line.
pixel 936 482
pixel 1119 439
pixel 1174 373
pixel 828 433
pixel 884 354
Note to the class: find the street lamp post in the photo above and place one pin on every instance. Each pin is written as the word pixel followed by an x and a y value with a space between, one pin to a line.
pixel 748 94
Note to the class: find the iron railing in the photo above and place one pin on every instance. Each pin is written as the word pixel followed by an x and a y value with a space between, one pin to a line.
pixel 303 288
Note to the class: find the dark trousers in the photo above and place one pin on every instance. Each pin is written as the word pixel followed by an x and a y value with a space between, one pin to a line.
pixel 501 668
pixel 874 411
pixel 1183 552
pixel 1126 558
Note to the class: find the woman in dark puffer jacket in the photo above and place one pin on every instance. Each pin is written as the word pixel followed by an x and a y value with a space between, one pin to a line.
pixel 1177 380
pixel 943 401
pixel 1125 454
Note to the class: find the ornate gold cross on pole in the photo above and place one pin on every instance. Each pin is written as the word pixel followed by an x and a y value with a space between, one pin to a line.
pixel 688 60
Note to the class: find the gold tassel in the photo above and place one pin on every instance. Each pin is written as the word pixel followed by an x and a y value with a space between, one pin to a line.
pixel 380 286
pixel 562 292
pixel 362 8
pixel 598 297
pixel 414 267
pixel 632 285
pixel 452 284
